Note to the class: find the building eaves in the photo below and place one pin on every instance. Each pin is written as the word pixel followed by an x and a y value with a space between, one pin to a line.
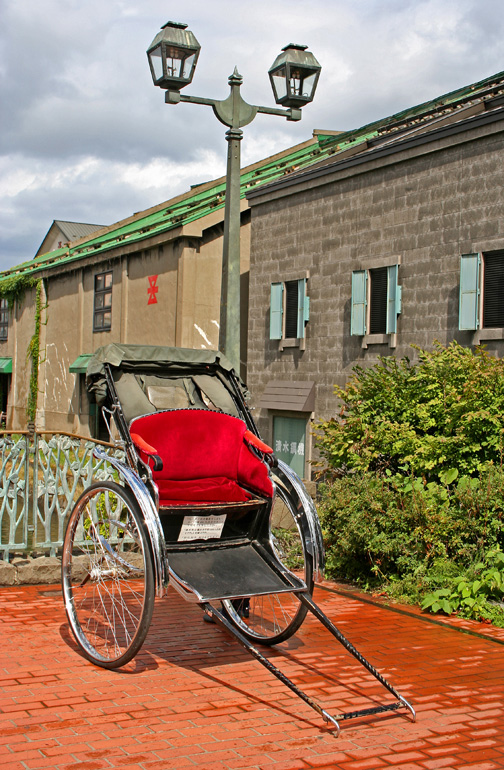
pixel 447 108
pixel 370 150
pixel 182 210
pixel 484 89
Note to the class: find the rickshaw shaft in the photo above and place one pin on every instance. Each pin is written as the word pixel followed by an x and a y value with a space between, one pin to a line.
pixel 223 621
pixel 308 602
pixel 306 599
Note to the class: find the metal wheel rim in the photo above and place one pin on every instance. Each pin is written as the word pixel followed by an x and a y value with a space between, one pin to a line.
pixel 106 600
pixel 274 617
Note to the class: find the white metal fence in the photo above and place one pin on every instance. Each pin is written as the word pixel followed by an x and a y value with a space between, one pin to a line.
pixel 41 476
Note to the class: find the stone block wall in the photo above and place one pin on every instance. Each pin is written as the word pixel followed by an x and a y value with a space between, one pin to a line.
pixel 424 208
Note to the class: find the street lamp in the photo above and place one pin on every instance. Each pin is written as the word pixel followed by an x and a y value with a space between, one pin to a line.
pixel 173 55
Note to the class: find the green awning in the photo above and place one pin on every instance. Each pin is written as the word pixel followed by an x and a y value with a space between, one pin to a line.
pixel 79 366
pixel 5 365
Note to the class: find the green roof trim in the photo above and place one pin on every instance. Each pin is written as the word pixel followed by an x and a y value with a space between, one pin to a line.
pixel 204 199
pixel 5 365
pixel 80 364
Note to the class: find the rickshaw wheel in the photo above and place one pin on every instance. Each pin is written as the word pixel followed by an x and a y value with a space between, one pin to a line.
pixel 274 618
pixel 107 574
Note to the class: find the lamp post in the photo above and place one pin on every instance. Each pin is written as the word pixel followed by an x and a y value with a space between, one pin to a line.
pixel 173 55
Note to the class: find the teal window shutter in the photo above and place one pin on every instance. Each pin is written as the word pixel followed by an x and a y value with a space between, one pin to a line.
pixel 399 300
pixel 303 308
pixel 393 299
pixel 358 321
pixel 276 311
pixel 469 291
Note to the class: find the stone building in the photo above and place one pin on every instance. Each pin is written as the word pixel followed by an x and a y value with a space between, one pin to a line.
pixel 396 240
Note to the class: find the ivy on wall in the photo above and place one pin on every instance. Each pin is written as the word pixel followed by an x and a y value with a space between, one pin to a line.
pixel 15 287
pixel 33 353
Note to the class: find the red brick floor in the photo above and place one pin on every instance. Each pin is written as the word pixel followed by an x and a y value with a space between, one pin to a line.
pixel 192 698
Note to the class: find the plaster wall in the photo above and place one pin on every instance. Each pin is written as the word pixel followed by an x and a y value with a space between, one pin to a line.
pixel 21 327
pixel 186 271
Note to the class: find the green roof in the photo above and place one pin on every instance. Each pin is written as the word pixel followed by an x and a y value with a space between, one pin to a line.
pixel 204 199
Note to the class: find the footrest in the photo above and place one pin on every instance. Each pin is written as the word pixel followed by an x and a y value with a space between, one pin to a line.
pixel 369 711
pixel 229 572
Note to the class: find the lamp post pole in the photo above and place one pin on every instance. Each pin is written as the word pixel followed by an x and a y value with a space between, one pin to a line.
pixel 294 74
pixel 230 315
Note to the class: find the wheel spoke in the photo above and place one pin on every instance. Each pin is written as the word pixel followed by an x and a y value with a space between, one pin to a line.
pixel 273 618
pixel 110 605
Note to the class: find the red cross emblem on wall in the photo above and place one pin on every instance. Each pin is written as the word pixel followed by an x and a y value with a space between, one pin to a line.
pixel 152 290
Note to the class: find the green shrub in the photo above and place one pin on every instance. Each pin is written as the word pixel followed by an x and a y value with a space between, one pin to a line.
pixel 378 529
pixel 369 532
pixel 478 595
pixel 414 496
pixel 441 415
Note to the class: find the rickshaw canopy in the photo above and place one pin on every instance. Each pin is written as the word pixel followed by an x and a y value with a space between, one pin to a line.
pixel 153 377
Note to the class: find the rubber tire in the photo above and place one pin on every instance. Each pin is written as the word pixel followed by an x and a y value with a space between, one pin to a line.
pixel 74 604
pixel 232 608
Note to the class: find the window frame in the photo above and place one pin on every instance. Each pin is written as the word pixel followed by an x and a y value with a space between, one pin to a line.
pixel 100 312
pixel 360 321
pixel 279 311
pixel 4 320
pixel 472 296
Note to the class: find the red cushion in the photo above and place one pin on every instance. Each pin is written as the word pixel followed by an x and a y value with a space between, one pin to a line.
pixel 210 490
pixel 202 446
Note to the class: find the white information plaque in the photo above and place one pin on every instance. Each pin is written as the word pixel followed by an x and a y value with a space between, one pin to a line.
pixel 201 527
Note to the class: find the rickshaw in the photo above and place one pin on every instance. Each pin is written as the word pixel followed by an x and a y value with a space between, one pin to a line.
pixel 199 502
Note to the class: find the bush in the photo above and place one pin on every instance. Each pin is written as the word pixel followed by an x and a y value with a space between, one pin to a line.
pixel 442 415
pixel 412 540
pixel 379 528
pixel 413 501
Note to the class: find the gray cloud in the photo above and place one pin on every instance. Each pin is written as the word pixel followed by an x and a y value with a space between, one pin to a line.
pixel 85 136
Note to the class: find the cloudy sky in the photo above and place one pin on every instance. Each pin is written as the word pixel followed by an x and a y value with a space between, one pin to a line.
pixel 86 137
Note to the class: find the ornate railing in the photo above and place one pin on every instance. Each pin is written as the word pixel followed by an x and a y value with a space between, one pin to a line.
pixel 42 475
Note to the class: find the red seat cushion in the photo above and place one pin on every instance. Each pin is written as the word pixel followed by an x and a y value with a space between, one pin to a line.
pixel 205 457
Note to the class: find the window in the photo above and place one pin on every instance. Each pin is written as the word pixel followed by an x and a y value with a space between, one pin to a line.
pixel 289 310
pixel 376 301
pixel 102 319
pixel 4 319
pixel 493 290
pixel 481 299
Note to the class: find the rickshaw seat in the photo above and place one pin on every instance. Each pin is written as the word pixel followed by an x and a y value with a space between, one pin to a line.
pixel 206 457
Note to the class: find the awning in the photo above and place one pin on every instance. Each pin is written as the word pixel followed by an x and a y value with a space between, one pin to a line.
pixel 5 365
pixel 79 366
pixel 289 395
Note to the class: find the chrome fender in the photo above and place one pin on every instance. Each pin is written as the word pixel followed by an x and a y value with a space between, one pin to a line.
pixel 306 514
pixel 151 518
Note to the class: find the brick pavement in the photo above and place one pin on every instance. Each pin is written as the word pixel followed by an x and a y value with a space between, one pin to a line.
pixel 192 698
